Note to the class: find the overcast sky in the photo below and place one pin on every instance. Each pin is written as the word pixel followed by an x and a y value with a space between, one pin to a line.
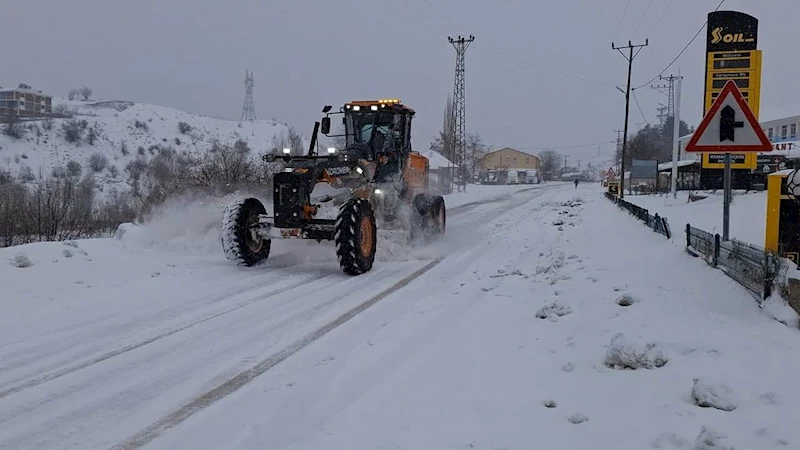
pixel 192 54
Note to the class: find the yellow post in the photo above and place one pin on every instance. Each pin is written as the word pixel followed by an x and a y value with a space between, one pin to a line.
pixel 775 182
pixel 782 234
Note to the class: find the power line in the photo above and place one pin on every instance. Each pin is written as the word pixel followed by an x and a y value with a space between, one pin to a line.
pixel 644 14
pixel 565 147
pixel 636 99
pixel 621 19
pixel 526 64
pixel 659 18
pixel 682 51
pixel 490 49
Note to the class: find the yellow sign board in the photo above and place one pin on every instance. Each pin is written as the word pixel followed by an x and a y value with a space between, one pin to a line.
pixel 744 68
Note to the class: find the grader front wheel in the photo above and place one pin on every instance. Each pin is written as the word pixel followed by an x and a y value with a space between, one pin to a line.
pixel 356 236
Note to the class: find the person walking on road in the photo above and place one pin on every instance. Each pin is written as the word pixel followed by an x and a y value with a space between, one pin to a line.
pixel 576 183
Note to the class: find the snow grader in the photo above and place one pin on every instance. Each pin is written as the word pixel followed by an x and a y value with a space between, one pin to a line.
pixel 343 194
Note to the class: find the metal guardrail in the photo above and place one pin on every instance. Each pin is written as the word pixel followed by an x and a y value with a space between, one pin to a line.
pixel 655 222
pixel 753 267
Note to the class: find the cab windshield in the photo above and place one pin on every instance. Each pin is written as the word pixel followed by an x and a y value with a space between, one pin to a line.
pixel 360 125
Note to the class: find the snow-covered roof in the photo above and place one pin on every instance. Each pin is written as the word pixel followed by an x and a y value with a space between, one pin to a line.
pixel 682 163
pixel 436 159
pixel 25 91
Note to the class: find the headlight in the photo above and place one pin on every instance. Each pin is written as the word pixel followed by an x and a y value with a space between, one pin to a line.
pixel 359 170
pixel 331 149
pixel 378 192
pixel 287 151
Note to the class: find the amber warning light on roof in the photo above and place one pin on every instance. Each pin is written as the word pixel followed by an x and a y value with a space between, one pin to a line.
pixel 372 104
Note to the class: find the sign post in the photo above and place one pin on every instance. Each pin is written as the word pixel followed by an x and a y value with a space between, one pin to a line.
pixel 729 126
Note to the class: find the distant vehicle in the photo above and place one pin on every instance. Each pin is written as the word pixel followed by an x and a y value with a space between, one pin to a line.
pixel 513 177
pixel 532 177
pixel 491 177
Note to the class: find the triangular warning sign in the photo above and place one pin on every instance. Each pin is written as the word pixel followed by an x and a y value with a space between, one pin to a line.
pixel 729 126
pixel 610 173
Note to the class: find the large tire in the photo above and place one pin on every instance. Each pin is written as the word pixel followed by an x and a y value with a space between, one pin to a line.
pixel 428 219
pixel 438 213
pixel 356 236
pixel 241 247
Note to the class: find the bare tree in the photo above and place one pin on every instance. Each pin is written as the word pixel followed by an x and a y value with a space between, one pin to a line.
pixel 444 143
pixel 13 129
pixel 223 169
pixel 91 135
pixel 290 139
pixel 86 93
pixel 98 162
pixel 73 94
pixel 551 162
pixel 73 132
pixel 475 149
pixel 62 110
pixel 74 169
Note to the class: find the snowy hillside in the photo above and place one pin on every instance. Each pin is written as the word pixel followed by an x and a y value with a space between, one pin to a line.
pixel 122 132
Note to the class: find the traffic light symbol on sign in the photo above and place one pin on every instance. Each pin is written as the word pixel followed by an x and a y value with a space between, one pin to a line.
pixel 728 124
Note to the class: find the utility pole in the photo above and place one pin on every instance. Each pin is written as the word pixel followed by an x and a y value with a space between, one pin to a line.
pixel 619 148
pixel 674 95
pixel 459 132
pixel 249 107
pixel 631 56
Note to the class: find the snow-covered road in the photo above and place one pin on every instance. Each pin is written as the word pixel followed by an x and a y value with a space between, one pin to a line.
pixel 103 338
pixel 496 337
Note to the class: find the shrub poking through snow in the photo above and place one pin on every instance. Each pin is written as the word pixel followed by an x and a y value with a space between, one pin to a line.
pixel 708 394
pixel 549 403
pixel 626 353
pixel 553 309
pixel 21 260
pixel 710 440
pixel 578 418
pixel 770 398
pixel 627 300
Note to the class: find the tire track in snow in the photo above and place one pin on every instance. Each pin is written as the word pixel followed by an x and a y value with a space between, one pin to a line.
pixel 201 402
pixel 68 370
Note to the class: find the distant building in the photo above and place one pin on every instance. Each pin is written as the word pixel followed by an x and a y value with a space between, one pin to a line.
pixel 508 158
pixel 23 101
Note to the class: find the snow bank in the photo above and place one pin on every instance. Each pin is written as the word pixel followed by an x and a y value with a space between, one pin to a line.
pixel 748 220
pixel 710 394
pixel 627 353
pixel 777 308
pixel 553 310
pixel 711 440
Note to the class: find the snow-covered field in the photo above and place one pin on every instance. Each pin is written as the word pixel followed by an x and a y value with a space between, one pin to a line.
pixel 529 326
pixel 748 213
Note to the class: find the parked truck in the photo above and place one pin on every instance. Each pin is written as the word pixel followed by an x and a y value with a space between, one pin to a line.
pixel 491 177
pixel 532 177
pixel 513 177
